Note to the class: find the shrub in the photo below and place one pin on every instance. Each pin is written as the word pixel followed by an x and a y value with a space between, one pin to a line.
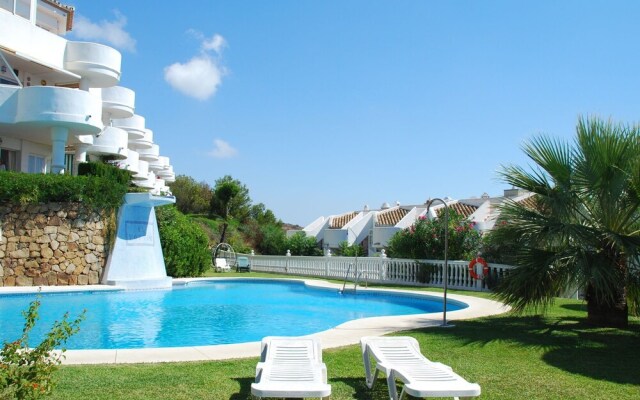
pixel 301 245
pixel 425 239
pixel 273 240
pixel 27 373
pixel 108 171
pixel 184 243
pixel 347 250
pixel 96 191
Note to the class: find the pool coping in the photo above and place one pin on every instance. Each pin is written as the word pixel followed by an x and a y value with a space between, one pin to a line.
pixel 345 334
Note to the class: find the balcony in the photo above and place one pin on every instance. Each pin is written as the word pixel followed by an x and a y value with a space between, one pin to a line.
pixel 118 102
pixel 143 143
pixel 131 162
pixel 46 106
pixel 97 63
pixel 151 154
pixel 143 171
pixel 134 126
pixel 160 165
pixel 111 142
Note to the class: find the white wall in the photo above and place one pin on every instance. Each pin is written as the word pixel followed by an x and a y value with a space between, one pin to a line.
pixel 20 36
pixel 30 148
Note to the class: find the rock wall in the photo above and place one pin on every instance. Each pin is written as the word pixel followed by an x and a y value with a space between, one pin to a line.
pixel 52 244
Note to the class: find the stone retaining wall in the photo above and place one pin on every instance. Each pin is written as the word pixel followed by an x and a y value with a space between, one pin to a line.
pixel 52 244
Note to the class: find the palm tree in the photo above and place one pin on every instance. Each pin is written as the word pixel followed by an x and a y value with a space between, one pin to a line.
pixel 582 227
pixel 224 193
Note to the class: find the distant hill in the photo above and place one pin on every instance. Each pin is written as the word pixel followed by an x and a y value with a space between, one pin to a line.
pixel 289 227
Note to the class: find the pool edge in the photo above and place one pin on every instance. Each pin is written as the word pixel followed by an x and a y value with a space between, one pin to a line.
pixel 344 334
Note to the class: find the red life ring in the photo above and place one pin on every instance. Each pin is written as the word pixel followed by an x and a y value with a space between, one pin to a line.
pixel 472 270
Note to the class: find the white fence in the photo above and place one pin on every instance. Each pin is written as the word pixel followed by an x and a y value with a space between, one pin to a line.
pixel 381 270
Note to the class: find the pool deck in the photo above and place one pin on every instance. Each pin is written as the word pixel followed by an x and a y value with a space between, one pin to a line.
pixel 343 335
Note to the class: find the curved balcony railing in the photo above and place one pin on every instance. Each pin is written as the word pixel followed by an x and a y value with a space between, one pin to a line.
pixel 111 142
pixel 160 165
pixel 131 162
pixel 151 154
pixel 98 63
pixel 145 142
pixel 143 171
pixel 77 110
pixel 134 126
pixel 118 101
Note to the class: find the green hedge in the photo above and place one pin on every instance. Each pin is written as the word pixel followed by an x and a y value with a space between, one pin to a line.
pixel 185 245
pixel 121 176
pixel 96 191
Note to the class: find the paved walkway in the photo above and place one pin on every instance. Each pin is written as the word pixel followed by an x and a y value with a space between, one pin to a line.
pixel 345 334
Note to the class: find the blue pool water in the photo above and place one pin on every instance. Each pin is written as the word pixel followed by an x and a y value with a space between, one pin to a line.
pixel 205 313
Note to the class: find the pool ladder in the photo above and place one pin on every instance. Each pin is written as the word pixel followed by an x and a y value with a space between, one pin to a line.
pixel 355 281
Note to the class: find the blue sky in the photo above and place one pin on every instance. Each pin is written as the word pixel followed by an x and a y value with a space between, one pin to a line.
pixel 321 107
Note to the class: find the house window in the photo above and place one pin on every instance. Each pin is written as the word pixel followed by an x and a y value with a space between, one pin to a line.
pixel 36 164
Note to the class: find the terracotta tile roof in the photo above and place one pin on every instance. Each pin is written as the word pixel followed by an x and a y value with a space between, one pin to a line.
pixel 391 216
pixel 530 202
pixel 463 209
pixel 341 220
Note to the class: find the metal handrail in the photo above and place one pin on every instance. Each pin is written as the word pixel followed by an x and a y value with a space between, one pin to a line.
pixel 346 276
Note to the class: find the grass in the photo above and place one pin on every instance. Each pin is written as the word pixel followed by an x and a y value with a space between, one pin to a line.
pixel 556 356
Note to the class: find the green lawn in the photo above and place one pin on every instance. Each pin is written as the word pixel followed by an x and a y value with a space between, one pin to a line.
pixel 556 356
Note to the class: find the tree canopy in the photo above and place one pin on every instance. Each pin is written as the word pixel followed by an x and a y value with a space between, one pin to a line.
pixel 582 228
pixel 191 197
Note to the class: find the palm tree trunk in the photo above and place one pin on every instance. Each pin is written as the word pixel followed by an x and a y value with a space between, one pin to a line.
pixel 599 313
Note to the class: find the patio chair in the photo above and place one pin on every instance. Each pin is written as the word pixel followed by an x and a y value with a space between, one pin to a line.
pixel 399 357
pixel 221 265
pixel 290 367
pixel 243 264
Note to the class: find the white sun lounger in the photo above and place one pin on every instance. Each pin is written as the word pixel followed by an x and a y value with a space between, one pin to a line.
pixel 399 357
pixel 221 265
pixel 290 367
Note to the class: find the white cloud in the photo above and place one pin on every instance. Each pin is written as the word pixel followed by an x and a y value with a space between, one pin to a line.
pixel 215 43
pixel 198 78
pixel 222 149
pixel 111 32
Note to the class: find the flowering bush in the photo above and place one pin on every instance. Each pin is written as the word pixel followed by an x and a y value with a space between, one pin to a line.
pixel 425 239
pixel 27 373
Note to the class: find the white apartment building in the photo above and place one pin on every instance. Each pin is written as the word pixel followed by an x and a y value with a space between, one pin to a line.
pixel 60 103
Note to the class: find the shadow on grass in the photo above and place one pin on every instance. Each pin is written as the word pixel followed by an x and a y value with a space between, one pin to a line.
pixel 568 343
pixel 245 389
pixel 361 391
pixel 575 307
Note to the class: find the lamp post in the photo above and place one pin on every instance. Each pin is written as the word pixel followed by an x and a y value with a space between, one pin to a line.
pixel 446 259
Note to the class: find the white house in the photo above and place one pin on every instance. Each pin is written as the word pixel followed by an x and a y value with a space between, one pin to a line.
pixel 60 103
pixel 372 229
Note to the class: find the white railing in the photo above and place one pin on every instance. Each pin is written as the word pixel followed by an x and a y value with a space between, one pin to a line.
pixel 380 270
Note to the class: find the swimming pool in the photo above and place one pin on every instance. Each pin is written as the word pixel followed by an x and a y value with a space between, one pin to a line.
pixel 206 313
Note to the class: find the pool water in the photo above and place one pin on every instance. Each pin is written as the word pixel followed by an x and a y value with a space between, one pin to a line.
pixel 205 313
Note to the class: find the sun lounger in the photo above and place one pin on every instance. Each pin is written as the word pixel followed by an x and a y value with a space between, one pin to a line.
pixel 399 357
pixel 221 265
pixel 243 264
pixel 290 367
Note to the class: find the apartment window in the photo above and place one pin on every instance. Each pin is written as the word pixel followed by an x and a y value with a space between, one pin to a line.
pixel 36 164
pixel 9 159
pixel 68 163
pixel 8 75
